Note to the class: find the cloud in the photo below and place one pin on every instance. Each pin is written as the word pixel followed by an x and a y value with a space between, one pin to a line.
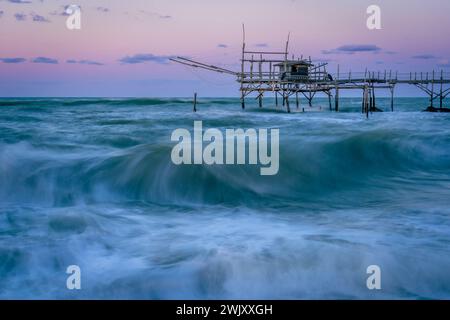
pixel 102 9
pixel 19 1
pixel 20 16
pixel 221 45
pixel 156 14
pixel 324 60
pixel 44 60
pixel 39 18
pixel 63 10
pixel 425 57
pixel 12 60
pixel 86 62
pixel 144 57
pixel 1 13
pixel 261 45
pixel 353 48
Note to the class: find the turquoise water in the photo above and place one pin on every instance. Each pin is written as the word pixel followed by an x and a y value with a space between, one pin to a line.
pixel 90 182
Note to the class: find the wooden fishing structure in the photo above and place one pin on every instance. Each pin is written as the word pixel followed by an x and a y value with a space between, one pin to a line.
pixel 284 76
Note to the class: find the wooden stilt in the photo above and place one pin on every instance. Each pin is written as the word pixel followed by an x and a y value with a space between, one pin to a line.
pixel 195 102
pixel 329 99
pixel 296 100
pixel 432 90
pixel 243 100
pixel 374 104
pixel 276 98
pixel 366 98
pixel 287 104
pixel 260 100
pixel 392 98
pixel 440 91
pixel 336 99
pixel 363 104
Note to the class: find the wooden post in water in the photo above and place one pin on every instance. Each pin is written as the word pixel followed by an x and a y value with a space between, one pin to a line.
pixel 336 99
pixel 329 99
pixel 243 99
pixel 336 96
pixel 366 98
pixel 310 97
pixel 260 100
pixel 392 97
pixel 276 98
pixel 432 89
pixel 297 102
pixel 287 103
pixel 441 93
pixel 374 104
pixel 195 102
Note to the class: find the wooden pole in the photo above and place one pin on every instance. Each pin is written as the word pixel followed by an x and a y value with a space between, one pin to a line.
pixel 366 98
pixel 374 105
pixel 297 102
pixel 336 96
pixel 195 102
pixel 276 98
pixel 441 93
pixel 251 68
pixel 287 104
pixel 260 100
pixel 432 90
pixel 336 99
pixel 392 98
pixel 329 99
pixel 242 68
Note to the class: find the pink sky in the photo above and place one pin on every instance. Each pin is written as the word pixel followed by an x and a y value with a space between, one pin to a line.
pixel 413 38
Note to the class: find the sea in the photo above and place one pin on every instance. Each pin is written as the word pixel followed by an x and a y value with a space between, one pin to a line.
pixel 89 182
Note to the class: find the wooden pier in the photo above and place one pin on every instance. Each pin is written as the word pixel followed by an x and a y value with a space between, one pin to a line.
pixel 279 74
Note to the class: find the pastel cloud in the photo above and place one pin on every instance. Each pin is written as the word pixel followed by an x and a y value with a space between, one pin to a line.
pixel 39 18
pixel 12 60
pixel 44 60
pixel 20 16
pixel 353 48
pixel 102 9
pixel 85 62
pixel 425 57
pixel 19 1
pixel 144 57
pixel 156 14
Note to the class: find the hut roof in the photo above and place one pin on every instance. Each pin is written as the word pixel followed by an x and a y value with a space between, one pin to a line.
pixel 294 63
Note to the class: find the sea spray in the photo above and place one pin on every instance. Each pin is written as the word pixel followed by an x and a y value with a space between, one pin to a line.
pixel 92 184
